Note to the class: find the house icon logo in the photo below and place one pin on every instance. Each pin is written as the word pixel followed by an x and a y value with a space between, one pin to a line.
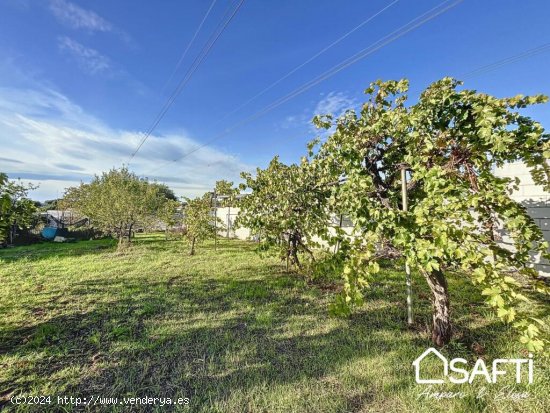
pixel 480 371
pixel 438 355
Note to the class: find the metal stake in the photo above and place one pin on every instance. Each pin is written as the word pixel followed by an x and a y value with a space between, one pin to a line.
pixel 228 220
pixel 407 269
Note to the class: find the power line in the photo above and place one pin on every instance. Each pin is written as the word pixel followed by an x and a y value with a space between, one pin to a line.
pixel 189 44
pixel 508 60
pixel 384 41
pixel 396 34
pixel 416 22
pixel 196 63
pixel 495 65
pixel 334 43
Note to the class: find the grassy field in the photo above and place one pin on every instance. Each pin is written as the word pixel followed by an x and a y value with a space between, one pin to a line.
pixel 231 331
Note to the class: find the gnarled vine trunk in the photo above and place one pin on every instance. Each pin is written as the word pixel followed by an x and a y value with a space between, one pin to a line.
pixel 294 249
pixel 441 330
pixel 130 233
pixel 121 241
pixel 192 252
pixel 288 255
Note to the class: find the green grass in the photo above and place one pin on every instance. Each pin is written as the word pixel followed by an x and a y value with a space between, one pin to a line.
pixel 231 331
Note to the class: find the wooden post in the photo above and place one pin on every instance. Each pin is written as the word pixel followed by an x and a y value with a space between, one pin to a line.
pixel 407 269
pixel 228 220
pixel 215 221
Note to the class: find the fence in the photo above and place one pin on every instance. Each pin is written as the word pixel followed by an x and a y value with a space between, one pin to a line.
pixel 533 197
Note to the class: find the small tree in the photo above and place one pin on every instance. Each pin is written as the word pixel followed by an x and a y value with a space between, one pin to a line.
pixel 117 201
pixel 16 210
pixel 449 142
pixel 226 190
pixel 199 221
pixel 170 214
pixel 50 204
pixel 286 207
pixel 165 191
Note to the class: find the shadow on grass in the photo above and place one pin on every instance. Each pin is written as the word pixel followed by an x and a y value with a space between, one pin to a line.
pixel 220 341
pixel 119 356
pixel 154 339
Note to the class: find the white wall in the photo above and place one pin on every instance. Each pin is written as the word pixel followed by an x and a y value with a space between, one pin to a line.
pixel 537 202
pixel 228 216
pixel 532 196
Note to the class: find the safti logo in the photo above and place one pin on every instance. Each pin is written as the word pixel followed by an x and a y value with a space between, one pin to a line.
pixel 455 370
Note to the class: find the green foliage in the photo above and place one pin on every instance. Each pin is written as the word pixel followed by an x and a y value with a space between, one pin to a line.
pixel 449 142
pixel 117 201
pixel 50 204
pixel 5 202
pixel 16 210
pixel 168 213
pixel 167 192
pixel 285 208
pixel 199 221
pixel 226 193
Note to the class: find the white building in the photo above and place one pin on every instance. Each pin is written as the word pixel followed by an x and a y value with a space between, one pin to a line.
pixel 533 197
pixel 537 202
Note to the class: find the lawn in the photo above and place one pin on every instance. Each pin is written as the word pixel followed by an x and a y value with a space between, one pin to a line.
pixel 231 331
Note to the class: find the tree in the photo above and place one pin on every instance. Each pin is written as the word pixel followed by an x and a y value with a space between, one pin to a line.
pixel 117 201
pixel 50 204
pixel 449 142
pixel 16 210
pixel 286 207
pixel 227 192
pixel 170 215
pixel 166 191
pixel 199 221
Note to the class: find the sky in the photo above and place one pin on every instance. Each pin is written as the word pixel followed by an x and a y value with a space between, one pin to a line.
pixel 82 81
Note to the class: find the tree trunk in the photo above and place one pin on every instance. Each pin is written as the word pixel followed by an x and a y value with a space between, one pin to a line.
pixel 192 246
pixel 12 232
pixel 294 250
pixel 120 240
pixel 287 253
pixel 120 233
pixel 130 233
pixel 442 332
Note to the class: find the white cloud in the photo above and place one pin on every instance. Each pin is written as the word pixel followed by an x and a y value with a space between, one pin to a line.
pixel 46 139
pixel 335 103
pixel 294 121
pixel 90 60
pixel 78 18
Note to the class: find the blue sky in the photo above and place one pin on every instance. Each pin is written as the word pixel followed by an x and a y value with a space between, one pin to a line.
pixel 80 81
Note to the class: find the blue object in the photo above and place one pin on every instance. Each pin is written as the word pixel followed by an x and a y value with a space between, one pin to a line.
pixel 52 232
pixel 49 232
